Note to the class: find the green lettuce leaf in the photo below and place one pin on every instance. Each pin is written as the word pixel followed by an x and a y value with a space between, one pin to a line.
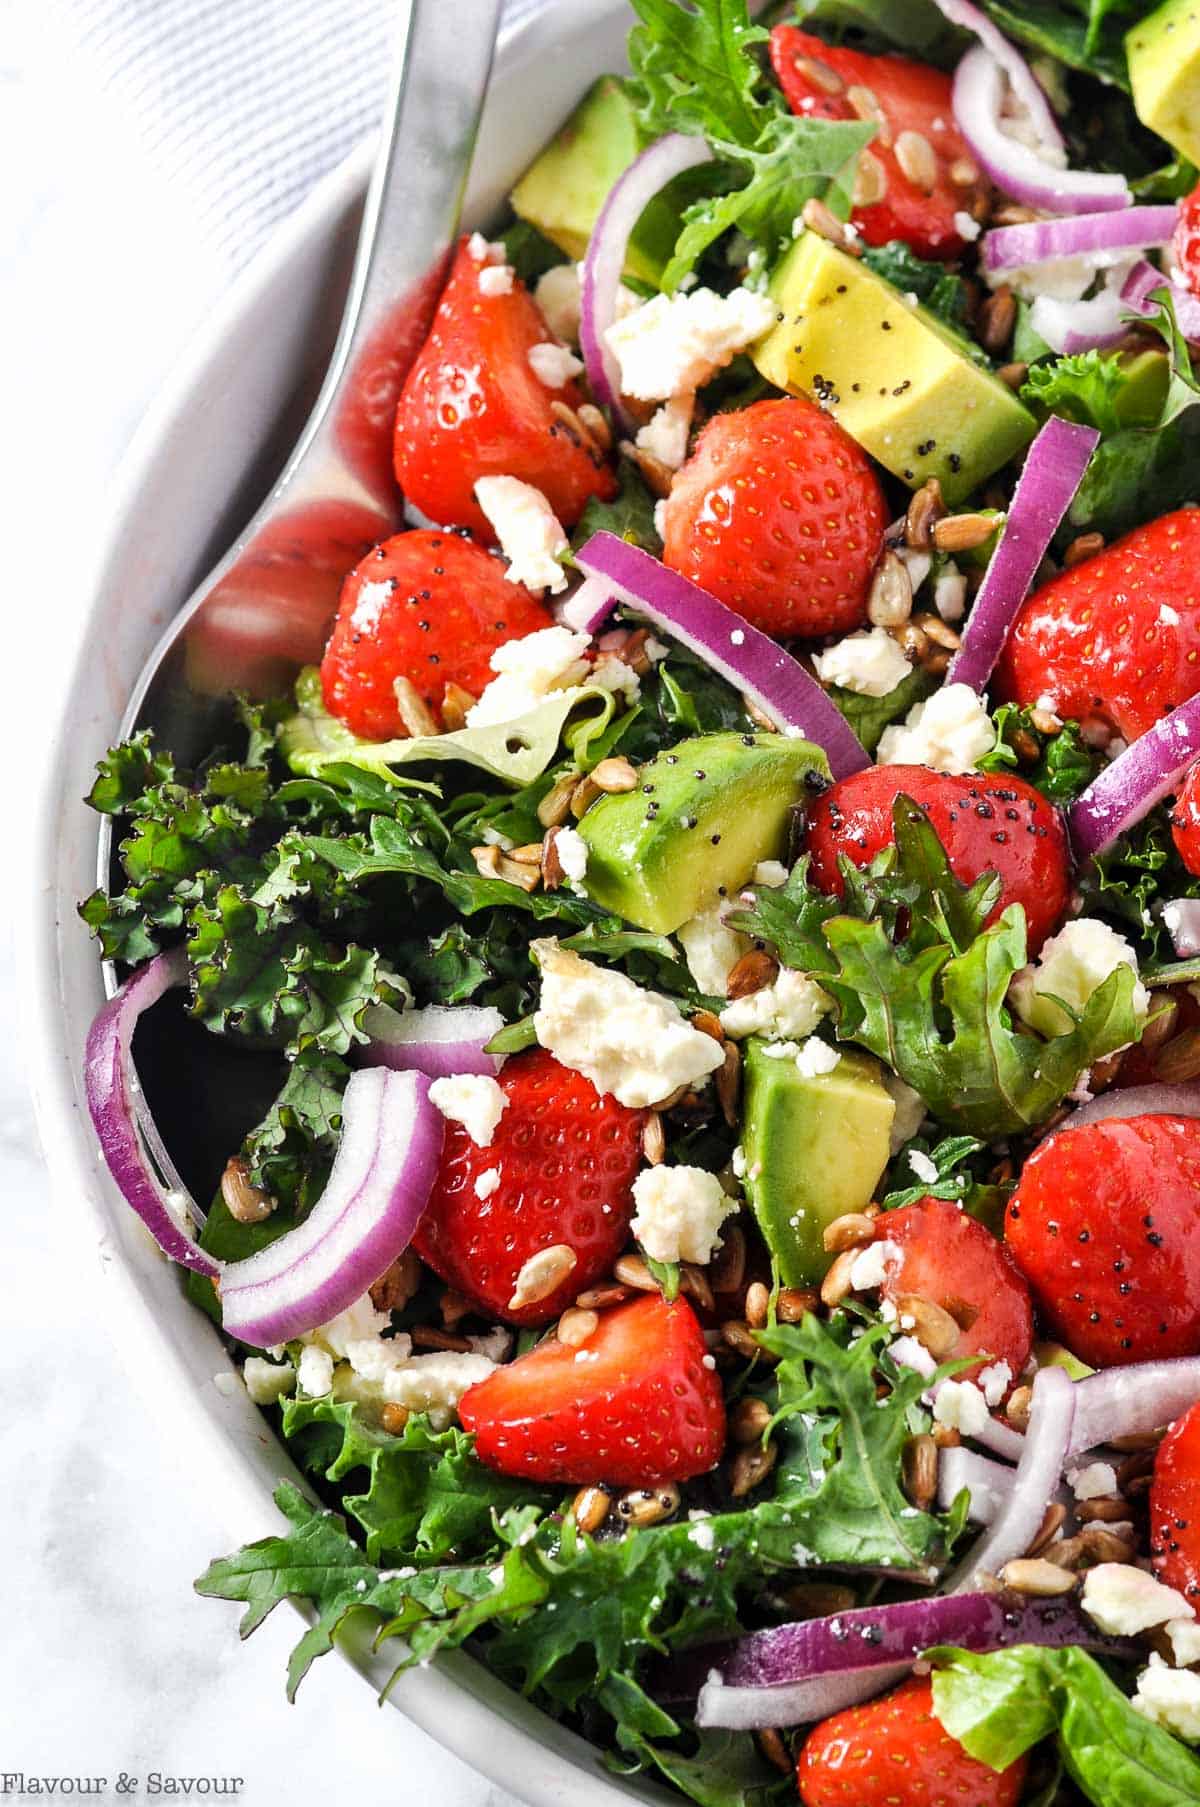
pixel 1001 1704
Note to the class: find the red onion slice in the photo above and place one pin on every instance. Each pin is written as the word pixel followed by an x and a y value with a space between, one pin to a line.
pixel 111 1085
pixel 774 681
pixel 605 260
pixel 1136 1101
pixel 1015 168
pixel 793 1674
pixel 1051 1414
pixel 1139 288
pixel 1021 79
pixel 1069 327
pixel 381 1179
pixel 1132 1402
pixel 1141 776
pixel 989 1483
pixel 1181 917
pixel 591 604
pixel 438 1041
pixel 1084 235
pixel 1051 475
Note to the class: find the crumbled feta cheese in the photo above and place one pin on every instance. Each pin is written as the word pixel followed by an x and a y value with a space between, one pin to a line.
pixel 994 1382
pixel 357 1321
pixel 435 1383
pixel 613 674
pixel 572 851
pixel 557 294
pixel 791 1007
pixel 631 1042
pixel 472 1099
pixel 679 1213
pixel 1183 1635
pixel 675 343
pixel 528 669
pixel 906 1352
pixel 1095 1482
pixel 910 1110
pixel 1123 1600
pixel 496 279
pixel 660 517
pixel 711 950
pixel 1170 1698
pixel 703 1536
pixel 267 1382
pixel 950 732
pixel 873 1266
pixel 373 1356
pixel 950 593
pixel 487 1182
pixel 482 251
pixel 554 365
pixel 530 533
pixel 738 1162
pixel 924 1169
pixel 870 663
pixel 814 1057
pixel 960 1406
pixel 782 1051
pixel 771 873
pixel 967 226
pixel 1071 966
pixel 315 1373
pixel 918 565
pixel 495 1343
pixel 1181 919
pixel 665 435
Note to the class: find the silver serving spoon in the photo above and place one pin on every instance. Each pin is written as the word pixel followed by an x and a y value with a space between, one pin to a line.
pixel 263 611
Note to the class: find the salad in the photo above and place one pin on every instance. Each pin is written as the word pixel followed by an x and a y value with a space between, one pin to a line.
pixel 721 933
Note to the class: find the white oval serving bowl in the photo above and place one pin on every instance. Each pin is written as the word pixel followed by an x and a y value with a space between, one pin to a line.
pixel 201 460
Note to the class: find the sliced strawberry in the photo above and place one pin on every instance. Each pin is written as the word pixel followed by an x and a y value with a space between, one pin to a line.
pixel 984 821
pixel 1185 245
pixel 473 407
pixel 951 1260
pixel 1117 636
pixel 637 1402
pixel 780 515
pixel 427 606
pixel 1105 1226
pixel 894 1752
pixel 1175 1506
pixel 1185 821
pixel 558 1173
pixel 905 179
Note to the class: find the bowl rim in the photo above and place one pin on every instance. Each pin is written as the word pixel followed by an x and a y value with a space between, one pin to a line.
pixel 469 1712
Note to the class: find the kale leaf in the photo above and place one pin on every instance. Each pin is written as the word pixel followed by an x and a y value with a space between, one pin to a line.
pixel 1065 765
pixel 938 289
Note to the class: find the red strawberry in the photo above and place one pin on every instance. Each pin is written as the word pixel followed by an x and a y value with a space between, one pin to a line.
pixel 1175 1506
pixel 950 1259
pixel 1186 243
pixel 904 177
pixel 566 1159
pixel 634 1404
pixel 1185 821
pixel 1117 636
pixel 985 822
pixel 472 407
pixel 1105 1226
pixel 426 606
pixel 894 1753
pixel 779 514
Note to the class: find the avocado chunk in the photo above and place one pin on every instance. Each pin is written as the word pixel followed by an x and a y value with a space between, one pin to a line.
pixel 702 816
pixel 899 381
pixel 563 190
pixel 815 1147
pixel 1163 53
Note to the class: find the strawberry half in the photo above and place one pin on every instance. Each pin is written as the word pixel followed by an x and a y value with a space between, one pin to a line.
pixel 1175 1506
pixel 1105 1226
pixel 558 1173
pixel 634 1404
pixel 952 1260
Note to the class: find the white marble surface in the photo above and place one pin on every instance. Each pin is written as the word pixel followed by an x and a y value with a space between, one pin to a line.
pixel 108 1661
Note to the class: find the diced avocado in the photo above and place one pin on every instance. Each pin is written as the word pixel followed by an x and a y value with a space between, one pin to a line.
pixel 701 817
pixel 899 381
pixel 1163 53
pixel 815 1146
pixel 562 192
pixel 1054 1355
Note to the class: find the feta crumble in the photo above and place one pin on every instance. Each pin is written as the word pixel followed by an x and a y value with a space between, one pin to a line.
pixel 315 1373
pixel 530 533
pixel 960 1406
pixel 357 1321
pixel 1071 966
pixel 994 1382
pixel 665 435
pixel 1095 1482
pixel 870 663
pixel 791 1007
pixel 267 1382
pixel 572 851
pixel 1123 1600
pixel 711 950
pixel 635 1044
pixel 554 365
pixel 924 1169
pixel 673 344
pixel 1170 1698
pixel 496 279
pixel 1183 1635
pixel 950 732
pixel 967 226
pixel 558 296
pixel 771 873
pixel 814 1057
pixel 950 593
pixel 527 670
pixel 472 1099
pixel 874 1265
pixel 679 1213
pixel 435 1383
